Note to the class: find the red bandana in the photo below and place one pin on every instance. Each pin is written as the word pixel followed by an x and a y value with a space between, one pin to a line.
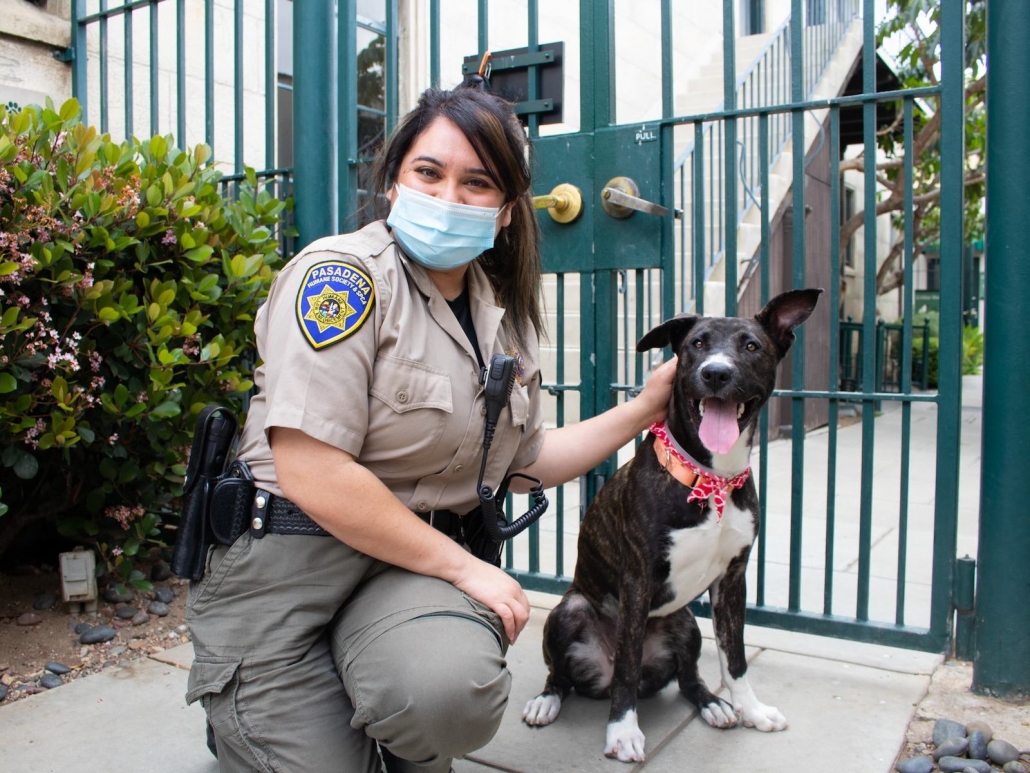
pixel 706 483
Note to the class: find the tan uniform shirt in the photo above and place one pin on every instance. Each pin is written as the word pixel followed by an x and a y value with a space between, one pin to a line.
pixel 398 389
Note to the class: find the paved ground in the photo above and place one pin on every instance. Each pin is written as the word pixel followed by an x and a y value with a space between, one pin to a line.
pixel 848 704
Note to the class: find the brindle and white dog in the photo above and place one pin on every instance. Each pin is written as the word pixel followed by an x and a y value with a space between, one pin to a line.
pixel 677 520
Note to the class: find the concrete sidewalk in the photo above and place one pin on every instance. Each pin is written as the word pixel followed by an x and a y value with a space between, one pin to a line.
pixel 848 704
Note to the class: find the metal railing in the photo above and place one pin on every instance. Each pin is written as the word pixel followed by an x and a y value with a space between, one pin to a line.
pixel 699 169
pixel 890 340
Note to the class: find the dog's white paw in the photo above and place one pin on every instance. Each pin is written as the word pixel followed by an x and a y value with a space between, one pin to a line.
pixel 720 714
pixel 624 739
pixel 762 717
pixel 542 710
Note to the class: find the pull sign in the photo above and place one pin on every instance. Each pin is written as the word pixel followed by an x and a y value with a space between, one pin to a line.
pixel 645 135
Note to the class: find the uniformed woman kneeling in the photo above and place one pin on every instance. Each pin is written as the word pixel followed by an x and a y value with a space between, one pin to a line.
pixel 355 620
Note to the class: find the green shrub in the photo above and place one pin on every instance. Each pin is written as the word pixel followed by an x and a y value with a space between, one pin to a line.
pixel 128 287
pixel 972 351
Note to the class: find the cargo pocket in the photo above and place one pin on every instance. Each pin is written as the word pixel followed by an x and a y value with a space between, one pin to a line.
pixel 209 677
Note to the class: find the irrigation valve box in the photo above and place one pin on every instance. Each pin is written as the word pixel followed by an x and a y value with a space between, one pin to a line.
pixel 78 577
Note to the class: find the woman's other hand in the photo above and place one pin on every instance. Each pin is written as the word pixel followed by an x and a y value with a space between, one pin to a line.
pixel 490 586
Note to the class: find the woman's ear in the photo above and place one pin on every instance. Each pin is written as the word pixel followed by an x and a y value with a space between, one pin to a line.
pixel 504 216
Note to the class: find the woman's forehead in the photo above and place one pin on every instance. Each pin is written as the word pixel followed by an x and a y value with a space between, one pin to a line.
pixel 444 143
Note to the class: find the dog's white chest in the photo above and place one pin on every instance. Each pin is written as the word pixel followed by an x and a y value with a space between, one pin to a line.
pixel 699 555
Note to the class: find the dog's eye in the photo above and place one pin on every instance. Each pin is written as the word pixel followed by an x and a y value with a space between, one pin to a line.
pixel 697 343
pixel 751 346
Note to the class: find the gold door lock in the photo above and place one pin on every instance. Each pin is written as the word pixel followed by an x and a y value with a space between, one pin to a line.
pixel 564 203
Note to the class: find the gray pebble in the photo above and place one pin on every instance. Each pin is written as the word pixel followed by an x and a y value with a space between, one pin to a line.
pixel 943 729
pixel 959 765
pixel 915 765
pixel 979 726
pixel 50 681
pixel 113 596
pixel 116 651
pixel 1014 767
pixel 953 747
pixel 158 608
pixel 44 600
pixel 164 595
pixel 1001 751
pixel 126 613
pixel 3 691
pixel 160 571
pixel 57 668
pixel 96 635
pixel 977 746
pixel 82 627
pixel 140 618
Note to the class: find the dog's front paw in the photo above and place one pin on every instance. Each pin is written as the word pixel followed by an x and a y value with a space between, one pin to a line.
pixel 762 717
pixel 542 710
pixel 720 714
pixel 624 739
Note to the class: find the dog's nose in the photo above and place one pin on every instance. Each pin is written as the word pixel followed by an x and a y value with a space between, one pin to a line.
pixel 716 373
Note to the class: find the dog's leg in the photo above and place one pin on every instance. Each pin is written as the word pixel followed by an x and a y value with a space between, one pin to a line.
pixel 624 738
pixel 574 655
pixel 685 638
pixel 728 595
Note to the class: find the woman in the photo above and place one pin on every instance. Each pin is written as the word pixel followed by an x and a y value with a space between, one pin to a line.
pixel 371 628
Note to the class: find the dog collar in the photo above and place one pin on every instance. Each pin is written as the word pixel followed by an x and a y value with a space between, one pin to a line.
pixel 702 483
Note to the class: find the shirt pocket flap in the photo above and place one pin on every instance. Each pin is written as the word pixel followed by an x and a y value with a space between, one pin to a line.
pixel 406 385
pixel 519 405
pixel 210 676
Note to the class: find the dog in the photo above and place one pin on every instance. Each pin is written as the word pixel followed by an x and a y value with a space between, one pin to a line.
pixel 677 520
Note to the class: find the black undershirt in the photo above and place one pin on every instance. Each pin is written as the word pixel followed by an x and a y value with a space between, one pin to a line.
pixel 463 312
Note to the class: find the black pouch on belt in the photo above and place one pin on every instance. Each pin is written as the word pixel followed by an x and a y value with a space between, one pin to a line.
pixel 212 441
pixel 478 540
pixel 231 502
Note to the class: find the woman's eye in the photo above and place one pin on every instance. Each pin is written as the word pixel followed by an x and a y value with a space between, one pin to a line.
pixel 426 172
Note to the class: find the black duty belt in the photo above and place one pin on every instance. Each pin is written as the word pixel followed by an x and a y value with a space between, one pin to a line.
pixel 284 517
pixel 446 521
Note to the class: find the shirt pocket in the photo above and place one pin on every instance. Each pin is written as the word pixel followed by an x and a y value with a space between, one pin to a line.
pixel 410 406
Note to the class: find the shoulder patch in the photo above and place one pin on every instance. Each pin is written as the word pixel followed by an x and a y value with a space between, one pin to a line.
pixel 334 301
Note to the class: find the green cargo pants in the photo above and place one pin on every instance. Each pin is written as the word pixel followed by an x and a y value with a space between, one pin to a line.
pixel 309 654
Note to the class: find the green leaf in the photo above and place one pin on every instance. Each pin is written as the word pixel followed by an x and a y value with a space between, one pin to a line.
pixel 26 467
pixel 8 268
pixel 86 434
pixel 70 110
pixel 108 314
pixel 59 389
pixel 10 317
pixel 142 219
pixel 142 584
pixel 166 410
pixel 154 195
pixel 199 254
pixel 131 546
pixel 8 383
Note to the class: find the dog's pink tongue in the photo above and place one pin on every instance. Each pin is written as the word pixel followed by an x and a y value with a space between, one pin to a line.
pixel 719 430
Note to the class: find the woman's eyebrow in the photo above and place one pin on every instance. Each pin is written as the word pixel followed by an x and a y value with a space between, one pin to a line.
pixel 468 169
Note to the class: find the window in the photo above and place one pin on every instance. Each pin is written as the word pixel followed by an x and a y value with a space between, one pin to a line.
pixel 752 17
pixel 847 211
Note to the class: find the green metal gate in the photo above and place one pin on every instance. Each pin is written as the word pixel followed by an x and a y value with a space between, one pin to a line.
pixel 702 180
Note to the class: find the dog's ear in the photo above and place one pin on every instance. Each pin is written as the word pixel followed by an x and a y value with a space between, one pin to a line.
pixel 669 333
pixel 785 312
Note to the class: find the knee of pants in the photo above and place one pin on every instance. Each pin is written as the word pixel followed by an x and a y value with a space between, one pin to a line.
pixel 431 688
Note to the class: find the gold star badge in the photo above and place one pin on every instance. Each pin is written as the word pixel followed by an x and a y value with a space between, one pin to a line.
pixel 330 308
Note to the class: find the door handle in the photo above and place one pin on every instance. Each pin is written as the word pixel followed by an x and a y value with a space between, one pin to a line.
pixel 564 203
pixel 620 198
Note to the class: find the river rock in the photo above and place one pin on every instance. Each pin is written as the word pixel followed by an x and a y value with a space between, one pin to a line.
pixel 113 595
pixel 959 765
pixel 915 765
pixel 50 681
pixel 82 627
pixel 126 612
pixel 979 726
pixel 164 595
pixel 1000 752
pixel 1010 767
pixel 96 635
pixel 44 601
pixel 977 746
pixel 57 668
pixel 140 618
pixel 158 608
pixel 29 618
pixel 4 689
pixel 944 729
pixel 953 747
pixel 160 572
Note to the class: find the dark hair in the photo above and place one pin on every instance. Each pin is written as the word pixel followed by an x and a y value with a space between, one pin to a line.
pixel 490 125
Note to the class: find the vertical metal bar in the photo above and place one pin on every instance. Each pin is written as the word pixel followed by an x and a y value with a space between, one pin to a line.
pixel 797 405
pixel 559 566
pixel 209 75
pixel 434 43
pixel 392 80
pixel 667 156
pixel 834 363
pixel 180 74
pixel 483 19
pixel 155 69
pixel 534 25
pixel 347 98
pixel 270 84
pixel 868 313
pixel 906 370
pixel 597 75
pixel 1002 663
pixel 763 422
pixel 667 83
pixel 104 55
pixel 127 74
pixel 314 138
pixel 237 52
pixel 699 217
pixel 80 83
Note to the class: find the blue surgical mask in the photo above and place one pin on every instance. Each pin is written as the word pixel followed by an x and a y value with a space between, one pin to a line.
pixel 439 234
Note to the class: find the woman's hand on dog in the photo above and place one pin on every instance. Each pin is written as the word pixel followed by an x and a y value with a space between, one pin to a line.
pixel 654 398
